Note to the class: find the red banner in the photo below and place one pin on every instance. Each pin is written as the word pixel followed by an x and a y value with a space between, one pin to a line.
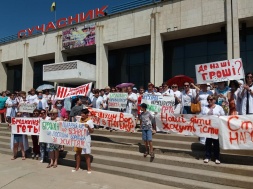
pixel 64 92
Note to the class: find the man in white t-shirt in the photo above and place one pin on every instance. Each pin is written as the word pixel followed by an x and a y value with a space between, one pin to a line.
pixel 131 107
pixel 32 97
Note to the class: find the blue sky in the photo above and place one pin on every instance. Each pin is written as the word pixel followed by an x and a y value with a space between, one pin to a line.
pixel 16 15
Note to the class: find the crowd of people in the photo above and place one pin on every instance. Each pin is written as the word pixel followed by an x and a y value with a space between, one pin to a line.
pixel 221 98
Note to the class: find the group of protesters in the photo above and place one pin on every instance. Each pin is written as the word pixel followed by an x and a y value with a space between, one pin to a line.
pixel 222 98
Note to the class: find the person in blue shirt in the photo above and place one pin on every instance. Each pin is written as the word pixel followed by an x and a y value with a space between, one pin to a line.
pixel 3 99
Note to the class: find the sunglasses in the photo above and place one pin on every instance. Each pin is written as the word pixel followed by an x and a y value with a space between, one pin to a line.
pixel 36 113
pixel 249 77
pixel 186 85
pixel 174 87
pixel 42 112
pixel 209 99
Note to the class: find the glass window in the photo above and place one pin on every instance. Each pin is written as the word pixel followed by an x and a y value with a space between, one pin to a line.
pixel 181 55
pixel 130 65
pixel 14 78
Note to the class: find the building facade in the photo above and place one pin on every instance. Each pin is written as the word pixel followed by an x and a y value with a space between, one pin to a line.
pixel 151 43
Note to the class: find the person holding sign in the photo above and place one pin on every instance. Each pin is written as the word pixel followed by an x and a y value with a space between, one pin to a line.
pixel 18 141
pixel 131 102
pixel 53 149
pixel 86 151
pixel 212 109
pixel 146 119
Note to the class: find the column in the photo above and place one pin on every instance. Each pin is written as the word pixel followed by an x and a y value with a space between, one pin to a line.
pixel 228 6
pixel 101 59
pixel 59 55
pixel 236 35
pixel 156 63
pixel 27 70
pixel 3 74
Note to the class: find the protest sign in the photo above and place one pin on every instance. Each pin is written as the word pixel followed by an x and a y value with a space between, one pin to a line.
pixel 114 120
pixel 199 125
pixel 64 92
pixel 219 71
pixel 63 133
pixel 27 107
pixel 24 125
pixel 117 100
pixel 236 132
pixel 157 102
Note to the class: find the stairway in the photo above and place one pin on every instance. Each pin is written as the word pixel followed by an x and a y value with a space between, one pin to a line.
pixel 178 160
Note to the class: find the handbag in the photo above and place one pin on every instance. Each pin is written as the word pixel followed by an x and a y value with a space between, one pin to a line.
pixel 196 107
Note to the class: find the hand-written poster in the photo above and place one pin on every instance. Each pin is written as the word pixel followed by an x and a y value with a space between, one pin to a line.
pixel 236 132
pixel 157 102
pixel 219 71
pixel 113 120
pixel 63 133
pixel 117 100
pixel 199 125
pixel 64 92
pixel 25 125
pixel 24 107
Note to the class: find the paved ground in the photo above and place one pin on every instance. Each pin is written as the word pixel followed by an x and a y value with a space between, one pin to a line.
pixel 31 174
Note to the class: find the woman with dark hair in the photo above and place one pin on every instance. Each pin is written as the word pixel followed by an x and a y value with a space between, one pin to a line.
pixel 187 97
pixel 212 109
pixel 233 97
pixel 246 94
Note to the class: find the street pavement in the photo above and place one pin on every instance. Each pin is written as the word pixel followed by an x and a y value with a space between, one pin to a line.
pixel 31 174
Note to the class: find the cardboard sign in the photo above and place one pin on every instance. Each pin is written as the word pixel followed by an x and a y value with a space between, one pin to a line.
pixel 219 71
pixel 64 92
pixel 117 100
pixel 27 107
pixel 63 133
pixel 114 120
pixel 24 125
pixel 236 132
pixel 157 102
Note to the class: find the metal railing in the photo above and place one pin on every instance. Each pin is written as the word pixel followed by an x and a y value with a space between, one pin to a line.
pixel 116 9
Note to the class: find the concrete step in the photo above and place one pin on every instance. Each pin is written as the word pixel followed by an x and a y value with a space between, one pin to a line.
pixel 230 157
pixel 168 169
pixel 152 177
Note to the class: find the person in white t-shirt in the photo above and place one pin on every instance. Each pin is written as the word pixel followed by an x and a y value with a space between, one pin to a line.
pixel 41 102
pixel 166 90
pixel 106 97
pixel 131 107
pixel 32 97
pixel 178 97
pixel 246 95
pixel 203 94
pixel 188 96
pixel 212 109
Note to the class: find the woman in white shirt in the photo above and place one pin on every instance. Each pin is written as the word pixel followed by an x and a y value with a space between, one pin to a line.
pixel 32 97
pixel 11 105
pixel 131 102
pixel 212 109
pixel 188 96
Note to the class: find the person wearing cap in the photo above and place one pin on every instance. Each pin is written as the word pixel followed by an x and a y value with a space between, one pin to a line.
pixel 32 97
pixel 146 121
pixel 135 90
pixel 87 121
pixel 151 89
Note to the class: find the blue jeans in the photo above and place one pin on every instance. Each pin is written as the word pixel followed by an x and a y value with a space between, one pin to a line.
pixel 187 110
pixel 43 147
pixel 146 135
